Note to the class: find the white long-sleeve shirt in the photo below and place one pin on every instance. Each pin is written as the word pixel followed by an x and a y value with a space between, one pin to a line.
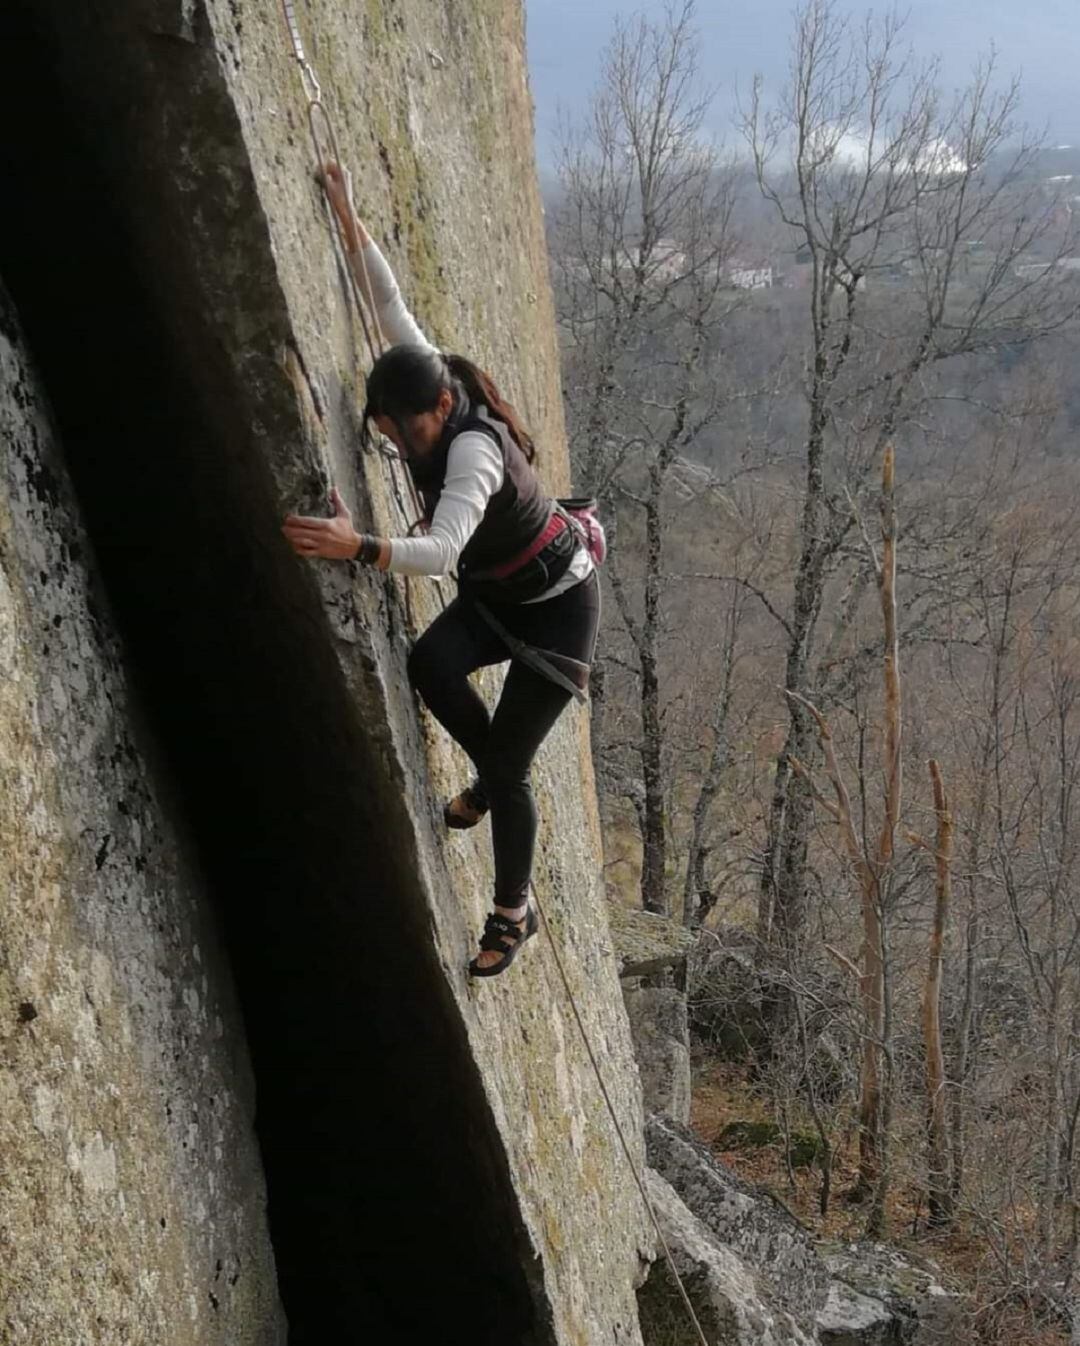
pixel 474 465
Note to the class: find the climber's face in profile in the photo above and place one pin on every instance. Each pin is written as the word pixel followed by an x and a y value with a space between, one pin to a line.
pixel 416 436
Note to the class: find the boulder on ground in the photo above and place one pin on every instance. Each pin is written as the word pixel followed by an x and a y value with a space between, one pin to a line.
pixel 732 1305
pixel 646 943
pixel 725 995
pixel 879 1297
pixel 752 1224
pixel 662 1047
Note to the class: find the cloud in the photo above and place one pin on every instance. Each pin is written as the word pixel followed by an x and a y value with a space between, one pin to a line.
pixel 849 150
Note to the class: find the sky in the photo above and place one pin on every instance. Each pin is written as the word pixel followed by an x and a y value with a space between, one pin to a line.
pixel 1040 39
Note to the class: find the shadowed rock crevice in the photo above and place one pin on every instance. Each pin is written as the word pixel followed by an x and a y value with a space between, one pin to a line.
pixel 391 1209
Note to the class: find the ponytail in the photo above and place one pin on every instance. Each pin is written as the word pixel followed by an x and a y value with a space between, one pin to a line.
pixel 480 389
pixel 407 380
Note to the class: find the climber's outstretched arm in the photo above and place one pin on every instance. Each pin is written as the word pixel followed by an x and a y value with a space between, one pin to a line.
pixel 373 275
pixel 337 183
pixel 474 472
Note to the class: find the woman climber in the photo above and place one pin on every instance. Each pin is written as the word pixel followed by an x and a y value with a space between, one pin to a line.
pixel 527 586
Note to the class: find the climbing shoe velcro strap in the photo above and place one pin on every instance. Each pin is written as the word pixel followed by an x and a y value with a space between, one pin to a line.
pixel 496 928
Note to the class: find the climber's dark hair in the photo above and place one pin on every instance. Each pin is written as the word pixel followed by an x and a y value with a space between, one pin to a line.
pixel 407 380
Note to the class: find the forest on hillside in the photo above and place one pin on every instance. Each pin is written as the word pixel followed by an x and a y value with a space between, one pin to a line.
pixel 825 381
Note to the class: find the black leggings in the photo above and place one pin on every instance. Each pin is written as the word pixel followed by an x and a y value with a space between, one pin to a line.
pixel 502 746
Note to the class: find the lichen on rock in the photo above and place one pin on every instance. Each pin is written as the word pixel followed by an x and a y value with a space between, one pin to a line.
pixel 645 942
pixel 310 779
pixel 132 1203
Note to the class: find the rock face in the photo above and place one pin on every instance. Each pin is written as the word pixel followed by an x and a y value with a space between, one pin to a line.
pixel 647 943
pixel 132 1206
pixel 744 1248
pixel 661 1041
pixel 723 1288
pixel 881 1298
pixel 245 891
pixel 759 1231
pixel 194 339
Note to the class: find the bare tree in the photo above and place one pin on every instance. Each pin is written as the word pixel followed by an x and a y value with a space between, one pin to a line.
pixel 699 896
pixel 878 178
pixel 939 1183
pixel 872 867
pixel 640 246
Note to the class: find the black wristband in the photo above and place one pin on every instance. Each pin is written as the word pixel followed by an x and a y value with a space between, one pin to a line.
pixel 370 549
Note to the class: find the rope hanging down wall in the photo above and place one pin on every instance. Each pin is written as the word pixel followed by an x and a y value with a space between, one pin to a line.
pixel 326 150
pixel 316 113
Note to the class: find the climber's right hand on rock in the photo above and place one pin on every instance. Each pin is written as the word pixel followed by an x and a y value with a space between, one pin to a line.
pixel 337 183
pixel 336 538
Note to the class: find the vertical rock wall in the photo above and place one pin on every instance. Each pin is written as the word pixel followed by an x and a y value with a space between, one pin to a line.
pixel 408 1118
pixel 432 107
pixel 132 1204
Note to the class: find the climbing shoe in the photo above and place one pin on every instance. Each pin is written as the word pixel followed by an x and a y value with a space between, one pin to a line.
pixel 467 808
pixel 497 930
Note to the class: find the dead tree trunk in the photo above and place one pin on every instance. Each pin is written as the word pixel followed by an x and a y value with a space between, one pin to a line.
pixel 872 870
pixel 697 899
pixel 654 838
pixel 876 1108
pixel 939 1179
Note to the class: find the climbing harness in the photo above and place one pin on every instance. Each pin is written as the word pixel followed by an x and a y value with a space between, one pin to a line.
pixel 530 572
pixel 581 514
pixel 545 662
pixel 317 113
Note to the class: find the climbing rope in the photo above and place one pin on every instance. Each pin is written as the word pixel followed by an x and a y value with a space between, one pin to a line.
pixel 553 946
pixel 325 151
pixel 317 112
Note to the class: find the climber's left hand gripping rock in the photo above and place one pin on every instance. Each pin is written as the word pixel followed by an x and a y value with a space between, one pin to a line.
pixel 335 539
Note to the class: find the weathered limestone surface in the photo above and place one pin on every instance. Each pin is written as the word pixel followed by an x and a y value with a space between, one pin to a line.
pixel 645 942
pixel 131 1194
pixel 662 1043
pixel 203 111
pixel 767 1237
pixel 853 1319
pixel 725 1290
pixel 434 116
pixel 833 1294
pixel 880 1297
